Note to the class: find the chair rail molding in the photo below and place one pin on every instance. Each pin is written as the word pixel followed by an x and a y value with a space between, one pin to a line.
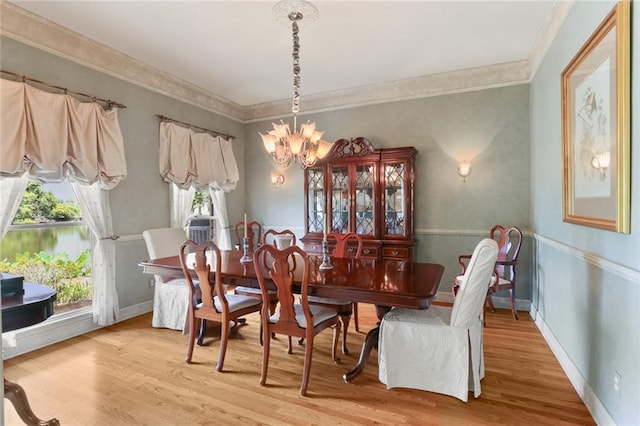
pixel 461 232
pixel 622 271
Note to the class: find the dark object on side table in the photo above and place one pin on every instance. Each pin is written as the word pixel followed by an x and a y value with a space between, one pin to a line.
pixel 20 309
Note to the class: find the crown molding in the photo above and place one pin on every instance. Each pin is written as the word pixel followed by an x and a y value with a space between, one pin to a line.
pixel 491 76
pixel 33 30
pixel 548 33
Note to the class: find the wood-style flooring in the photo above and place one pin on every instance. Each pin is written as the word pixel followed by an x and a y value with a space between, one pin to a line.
pixel 133 374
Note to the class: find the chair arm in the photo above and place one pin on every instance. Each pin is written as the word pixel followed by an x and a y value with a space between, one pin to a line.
pixel 461 259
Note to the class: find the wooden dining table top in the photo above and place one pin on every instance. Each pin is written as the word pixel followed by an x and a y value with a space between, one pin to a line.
pixel 380 282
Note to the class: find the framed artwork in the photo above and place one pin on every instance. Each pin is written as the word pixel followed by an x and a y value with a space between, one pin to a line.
pixel 596 123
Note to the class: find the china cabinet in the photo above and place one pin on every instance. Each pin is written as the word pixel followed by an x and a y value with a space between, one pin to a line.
pixel 358 188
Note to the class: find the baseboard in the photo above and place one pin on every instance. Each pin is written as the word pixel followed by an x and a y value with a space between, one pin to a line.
pixel 591 401
pixel 59 328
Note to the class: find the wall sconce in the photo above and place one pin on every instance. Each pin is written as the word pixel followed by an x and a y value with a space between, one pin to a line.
pixel 464 169
pixel 277 179
pixel 600 161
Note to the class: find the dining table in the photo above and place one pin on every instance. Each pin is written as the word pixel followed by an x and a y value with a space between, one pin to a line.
pixel 383 283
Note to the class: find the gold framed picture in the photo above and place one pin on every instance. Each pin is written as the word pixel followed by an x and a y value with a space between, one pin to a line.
pixel 596 124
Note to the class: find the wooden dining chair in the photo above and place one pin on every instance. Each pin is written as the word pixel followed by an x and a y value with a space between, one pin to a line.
pixel 216 304
pixel 270 237
pixel 254 234
pixel 509 241
pixel 344 308
pixel 292 319
pixel 280 239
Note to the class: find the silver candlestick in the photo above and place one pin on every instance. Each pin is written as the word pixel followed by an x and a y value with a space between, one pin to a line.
pixel 326 260
pixel 246 256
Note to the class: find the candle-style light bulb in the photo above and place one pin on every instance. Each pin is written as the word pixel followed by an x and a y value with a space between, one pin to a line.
pixel 245 225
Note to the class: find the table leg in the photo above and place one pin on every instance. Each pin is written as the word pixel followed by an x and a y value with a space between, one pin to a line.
pixel 18 397
pixel 370 342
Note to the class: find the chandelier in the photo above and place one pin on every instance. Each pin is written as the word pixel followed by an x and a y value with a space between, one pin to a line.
pixel 304 146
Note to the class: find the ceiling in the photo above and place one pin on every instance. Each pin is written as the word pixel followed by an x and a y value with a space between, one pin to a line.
pixel 238 51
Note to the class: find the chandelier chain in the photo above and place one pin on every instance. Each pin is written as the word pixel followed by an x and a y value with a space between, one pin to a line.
pixel 295 104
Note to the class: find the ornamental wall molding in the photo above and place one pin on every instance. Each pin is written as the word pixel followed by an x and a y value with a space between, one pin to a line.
pixel 33 30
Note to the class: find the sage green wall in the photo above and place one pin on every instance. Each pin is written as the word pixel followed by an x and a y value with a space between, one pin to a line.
pixel 141 201
pixel 488 127
pixel 587 290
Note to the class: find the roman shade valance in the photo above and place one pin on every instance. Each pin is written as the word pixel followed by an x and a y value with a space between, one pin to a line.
pixel 53 136
pixel 190 159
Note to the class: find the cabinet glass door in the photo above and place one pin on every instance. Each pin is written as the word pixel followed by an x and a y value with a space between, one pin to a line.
pixel 339 199
pixel 365 202
pixel 395 185
pixel 315 194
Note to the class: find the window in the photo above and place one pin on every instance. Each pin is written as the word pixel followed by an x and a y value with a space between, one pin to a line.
pixel 49 243
pixel 202 204
pixel 202 225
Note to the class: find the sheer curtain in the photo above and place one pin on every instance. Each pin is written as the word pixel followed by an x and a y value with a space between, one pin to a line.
pixel 181 201
pixel 223 233
pixel 11 192
pixel 189 159
pixel 50 137
pixel 94 203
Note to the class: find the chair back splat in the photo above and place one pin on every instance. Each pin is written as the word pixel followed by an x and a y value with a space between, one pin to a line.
pixel 280 239
pixel 291 319
pixel 343 245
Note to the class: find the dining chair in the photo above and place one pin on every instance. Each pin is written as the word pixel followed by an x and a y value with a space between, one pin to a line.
pixel 440 349
pixel 170 296
pixel 216 304
pixel 254 234
pixel 280 239
pixel 509 241
pixel 273 238
pixel 345 308
pixel 292 319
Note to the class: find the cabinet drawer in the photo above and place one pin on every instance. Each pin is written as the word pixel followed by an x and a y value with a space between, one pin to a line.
pixel 313 248
pixel 370 252
pixel 396 253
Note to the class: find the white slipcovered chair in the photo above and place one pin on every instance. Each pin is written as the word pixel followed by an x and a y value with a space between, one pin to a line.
pixel 440 349
pixel 171 296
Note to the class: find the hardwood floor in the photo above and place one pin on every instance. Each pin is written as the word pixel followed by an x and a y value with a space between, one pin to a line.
pixel 133 374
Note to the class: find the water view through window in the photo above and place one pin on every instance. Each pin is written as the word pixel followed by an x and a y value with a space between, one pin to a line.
pixel 72 239
pixel 49 244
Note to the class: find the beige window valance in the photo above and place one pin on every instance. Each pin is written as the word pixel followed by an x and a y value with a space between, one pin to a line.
pixel 189 159
pixel 54 136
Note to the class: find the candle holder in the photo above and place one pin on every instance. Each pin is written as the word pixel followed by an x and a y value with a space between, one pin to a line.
pixel 246 256
pixel 326 260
